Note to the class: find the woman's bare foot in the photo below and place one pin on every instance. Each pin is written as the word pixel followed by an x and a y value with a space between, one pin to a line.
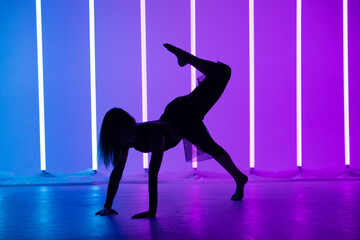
pixel 179 53
pixel 239 192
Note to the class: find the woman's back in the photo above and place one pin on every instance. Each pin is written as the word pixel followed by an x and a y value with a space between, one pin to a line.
pixel 145 130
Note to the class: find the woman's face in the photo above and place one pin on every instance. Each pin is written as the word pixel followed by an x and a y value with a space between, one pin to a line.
pixel 124 135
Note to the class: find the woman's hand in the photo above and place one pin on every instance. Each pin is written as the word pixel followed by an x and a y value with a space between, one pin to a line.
pixel 106 211
pixel 143 215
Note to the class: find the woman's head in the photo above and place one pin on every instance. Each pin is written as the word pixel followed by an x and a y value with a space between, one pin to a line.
pixel 117 130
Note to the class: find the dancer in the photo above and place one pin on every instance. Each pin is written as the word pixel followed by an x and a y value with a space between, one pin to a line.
pixel 182 119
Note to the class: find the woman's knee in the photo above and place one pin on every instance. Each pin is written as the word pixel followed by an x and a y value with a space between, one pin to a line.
pixel 223 71
pixel 213 149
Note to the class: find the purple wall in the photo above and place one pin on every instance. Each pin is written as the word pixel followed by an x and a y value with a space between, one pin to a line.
pixel 322 85
pixel 222 33
pixel 275 84
pixel 118 64
pixel 167 22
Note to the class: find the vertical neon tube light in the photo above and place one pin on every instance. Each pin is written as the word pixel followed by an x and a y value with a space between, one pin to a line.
pixel 93 85
pixel 346 83
pixel 144 74
pixel 298 86
pixel 193 70
pixel 40 86
pixel 252 83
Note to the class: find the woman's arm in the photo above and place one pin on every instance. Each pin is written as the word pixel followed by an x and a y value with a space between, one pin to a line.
pixel 113 185
pixel 157 152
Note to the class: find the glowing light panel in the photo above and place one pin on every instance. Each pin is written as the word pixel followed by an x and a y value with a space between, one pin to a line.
pixel 193 70
pixel 251 83
pixel 144 74
pixel 298 85
pixel 40 86
pixel 93 85
pixel 346 83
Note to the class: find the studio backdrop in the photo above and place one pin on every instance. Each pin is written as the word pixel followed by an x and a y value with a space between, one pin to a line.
pixel 262 49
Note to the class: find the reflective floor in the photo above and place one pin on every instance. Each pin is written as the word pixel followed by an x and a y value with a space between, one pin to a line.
pixel 187 210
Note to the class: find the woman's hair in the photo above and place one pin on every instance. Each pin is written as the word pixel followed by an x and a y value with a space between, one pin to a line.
pixel 114 119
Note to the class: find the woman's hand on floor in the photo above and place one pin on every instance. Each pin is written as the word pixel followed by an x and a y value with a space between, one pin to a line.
pixel 143 215
pixel 106 211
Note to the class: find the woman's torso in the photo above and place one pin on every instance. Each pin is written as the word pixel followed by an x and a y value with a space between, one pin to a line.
pixel 145 130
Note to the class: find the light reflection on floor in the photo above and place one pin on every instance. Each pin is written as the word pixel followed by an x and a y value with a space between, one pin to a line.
pixel 187 210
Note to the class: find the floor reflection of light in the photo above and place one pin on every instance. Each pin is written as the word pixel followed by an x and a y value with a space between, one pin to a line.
pixel 349 211
pixel 45 211
pixel 156 230
pixel 196 221
pixel 4 213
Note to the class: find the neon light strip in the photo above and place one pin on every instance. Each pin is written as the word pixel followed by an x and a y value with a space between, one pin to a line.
pixel 40 86
pixel 346 83
pixel 252 83
pixel 193 42
pixel 193 70
pixel 298 85
pixel 144 74
pixel 93 85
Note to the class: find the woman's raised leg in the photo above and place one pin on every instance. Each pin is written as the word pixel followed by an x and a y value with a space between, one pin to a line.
pixel 208 92
pixel 206 67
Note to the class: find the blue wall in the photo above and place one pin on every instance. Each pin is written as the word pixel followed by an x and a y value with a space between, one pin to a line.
pixel 118 64
pixel 19 116
pixel 67 85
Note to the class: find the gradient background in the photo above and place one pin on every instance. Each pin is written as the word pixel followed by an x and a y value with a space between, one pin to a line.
pixel 222 34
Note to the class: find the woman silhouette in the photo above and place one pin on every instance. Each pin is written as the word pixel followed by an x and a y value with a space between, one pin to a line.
pixel 182 119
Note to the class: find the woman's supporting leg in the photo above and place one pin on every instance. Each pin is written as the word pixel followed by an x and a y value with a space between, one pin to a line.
pixel 199 136
pixel 241 179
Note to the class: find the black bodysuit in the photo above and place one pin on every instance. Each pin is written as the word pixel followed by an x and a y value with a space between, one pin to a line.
pixel 183 117
pixel 144 130
pixel 186 113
